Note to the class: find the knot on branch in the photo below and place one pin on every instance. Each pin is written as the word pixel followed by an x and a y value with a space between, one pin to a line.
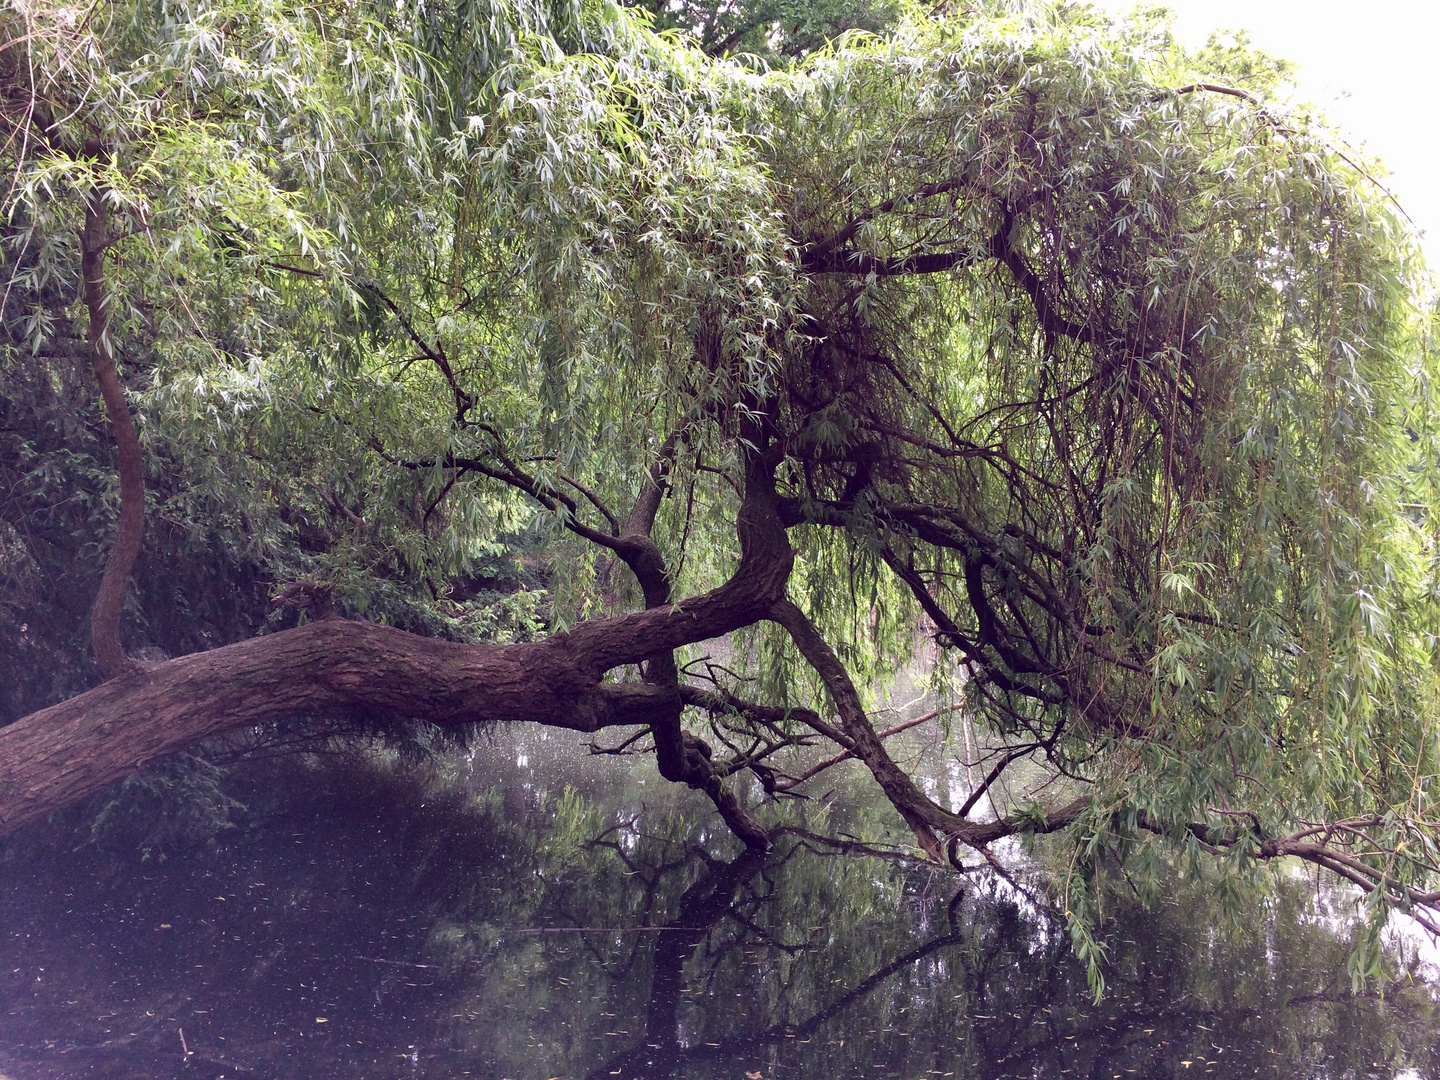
pixel 697 754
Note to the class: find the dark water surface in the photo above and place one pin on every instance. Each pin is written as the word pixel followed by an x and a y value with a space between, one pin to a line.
pixel 357 922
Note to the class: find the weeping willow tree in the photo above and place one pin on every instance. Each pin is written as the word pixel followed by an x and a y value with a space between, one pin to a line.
pixel 1018 340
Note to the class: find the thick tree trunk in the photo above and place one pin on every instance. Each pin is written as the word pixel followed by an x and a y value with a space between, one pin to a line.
pixel 60 755
pixel 55 757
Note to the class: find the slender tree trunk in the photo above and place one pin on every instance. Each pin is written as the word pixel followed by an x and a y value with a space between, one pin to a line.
pixel 110 600
pixel 681 757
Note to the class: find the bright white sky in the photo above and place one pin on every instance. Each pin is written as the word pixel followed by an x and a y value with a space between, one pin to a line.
pixel 1371 65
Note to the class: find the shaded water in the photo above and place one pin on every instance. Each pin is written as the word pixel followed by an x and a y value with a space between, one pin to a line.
pixel 360 920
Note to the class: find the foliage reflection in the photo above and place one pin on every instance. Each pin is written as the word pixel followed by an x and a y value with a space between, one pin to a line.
pixel 358 916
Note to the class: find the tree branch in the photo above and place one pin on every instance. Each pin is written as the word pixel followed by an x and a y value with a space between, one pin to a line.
pixel 847 232
pixel 59 755
pixel 434 352
pixel 862 264
pixel 922 815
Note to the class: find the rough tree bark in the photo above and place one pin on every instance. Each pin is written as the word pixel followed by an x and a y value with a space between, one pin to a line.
pixel 55 757
pixel 333 667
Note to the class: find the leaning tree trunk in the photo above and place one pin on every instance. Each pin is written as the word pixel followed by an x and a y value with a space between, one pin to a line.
pixel 333 667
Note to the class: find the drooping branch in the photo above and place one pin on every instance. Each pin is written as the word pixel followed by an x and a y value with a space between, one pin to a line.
pixel 773 717
pixel 831 256
pixel 846 755
pixel 922 815
pixel 1047 311
pixel 1327 846
pixel 680 756
pixel 594 501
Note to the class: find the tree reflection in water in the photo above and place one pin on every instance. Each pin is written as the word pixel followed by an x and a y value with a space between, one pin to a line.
pixel 361 922
pixel 980 987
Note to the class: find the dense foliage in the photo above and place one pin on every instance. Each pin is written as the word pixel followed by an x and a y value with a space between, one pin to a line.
pixel 771 31
pixel 1046 344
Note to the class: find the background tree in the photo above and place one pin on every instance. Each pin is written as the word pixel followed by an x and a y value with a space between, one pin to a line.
pixel 774 30
pixel 1014 331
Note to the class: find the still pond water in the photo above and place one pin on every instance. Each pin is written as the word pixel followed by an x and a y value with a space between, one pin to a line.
pixel 363 918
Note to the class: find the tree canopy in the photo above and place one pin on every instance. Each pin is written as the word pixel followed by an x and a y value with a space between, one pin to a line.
pixel 1017 342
